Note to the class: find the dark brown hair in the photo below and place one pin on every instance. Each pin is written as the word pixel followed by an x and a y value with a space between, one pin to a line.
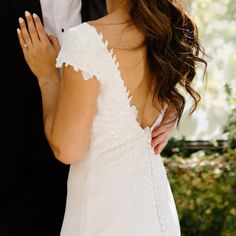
pixel 173 50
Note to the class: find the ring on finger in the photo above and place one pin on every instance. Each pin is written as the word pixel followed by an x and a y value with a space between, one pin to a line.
pixel 25 45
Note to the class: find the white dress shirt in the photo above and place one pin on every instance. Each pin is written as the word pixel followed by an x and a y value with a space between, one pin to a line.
pixel 60 15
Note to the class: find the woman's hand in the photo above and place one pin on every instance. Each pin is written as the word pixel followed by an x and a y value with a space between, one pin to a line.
pixel 40 50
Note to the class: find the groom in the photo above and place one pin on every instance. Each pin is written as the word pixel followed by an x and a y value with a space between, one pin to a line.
pixel 32 181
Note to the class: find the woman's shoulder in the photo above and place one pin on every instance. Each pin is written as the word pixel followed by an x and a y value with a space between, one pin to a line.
pixel 83 48
pixel 108 30
pixel 118 34
pixel 83 37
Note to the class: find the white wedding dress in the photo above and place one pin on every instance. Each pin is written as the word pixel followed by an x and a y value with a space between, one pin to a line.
pixel 120 188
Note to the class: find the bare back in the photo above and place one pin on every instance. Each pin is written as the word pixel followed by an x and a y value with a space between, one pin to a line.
pixel 125 40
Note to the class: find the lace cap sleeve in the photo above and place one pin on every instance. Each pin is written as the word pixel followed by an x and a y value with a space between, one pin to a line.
pixel 81 50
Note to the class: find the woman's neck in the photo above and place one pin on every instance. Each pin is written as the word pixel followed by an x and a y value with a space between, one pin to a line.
pixel 118 11
pixel 116 5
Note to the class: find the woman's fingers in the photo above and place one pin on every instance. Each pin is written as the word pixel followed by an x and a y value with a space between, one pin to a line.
pixel 21 40
pixel 40 29
pixel 24 32
pixel 31 28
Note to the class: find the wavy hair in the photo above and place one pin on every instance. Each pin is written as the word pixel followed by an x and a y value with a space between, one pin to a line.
pixel 173 50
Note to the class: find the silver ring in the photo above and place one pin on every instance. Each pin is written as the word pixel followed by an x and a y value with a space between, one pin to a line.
pixel 25 45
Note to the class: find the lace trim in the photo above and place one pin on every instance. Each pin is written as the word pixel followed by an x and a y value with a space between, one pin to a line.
pixel 67 62
pixel 160 191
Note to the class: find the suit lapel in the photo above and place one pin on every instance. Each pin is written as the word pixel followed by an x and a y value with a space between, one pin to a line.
pixel 93 9
pixel 20 6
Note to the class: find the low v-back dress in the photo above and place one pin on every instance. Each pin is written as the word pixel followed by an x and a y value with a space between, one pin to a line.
pixel 120 188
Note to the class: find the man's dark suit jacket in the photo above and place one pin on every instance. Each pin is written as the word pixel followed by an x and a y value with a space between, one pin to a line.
pixel 32 181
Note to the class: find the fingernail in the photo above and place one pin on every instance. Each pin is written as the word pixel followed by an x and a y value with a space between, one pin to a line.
pixel 18 31
pixel 27 14
pixel 21 20
pixel 34 15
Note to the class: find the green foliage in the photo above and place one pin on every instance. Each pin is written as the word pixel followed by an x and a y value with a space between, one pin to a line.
pixel 204 188
pixel 230 127
pixel 175 146
pixel 204 184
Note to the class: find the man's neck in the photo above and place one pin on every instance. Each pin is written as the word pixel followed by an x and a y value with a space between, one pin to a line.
pixel 115 5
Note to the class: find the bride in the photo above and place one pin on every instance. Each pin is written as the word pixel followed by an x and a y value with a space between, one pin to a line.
pixel 117 76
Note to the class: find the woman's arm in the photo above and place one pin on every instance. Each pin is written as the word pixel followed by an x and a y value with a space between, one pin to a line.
pixel 69 102
pixel 40 54
pixel 76 108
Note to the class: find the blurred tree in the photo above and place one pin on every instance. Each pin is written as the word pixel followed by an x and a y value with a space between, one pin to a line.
pixel 216 20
